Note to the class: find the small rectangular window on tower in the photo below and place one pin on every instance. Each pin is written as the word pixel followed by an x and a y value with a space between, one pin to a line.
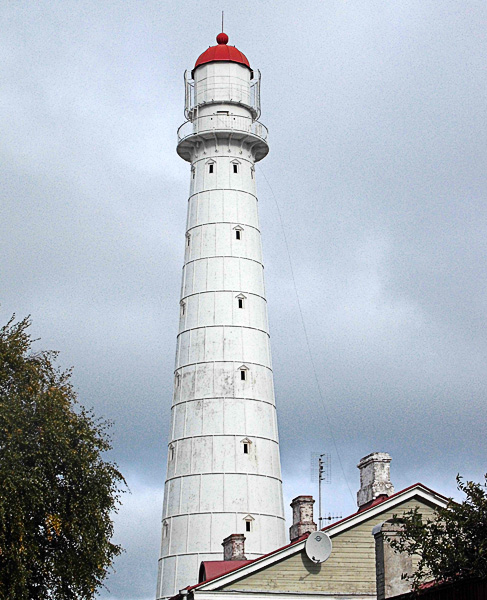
pixel 210 168
pixel 237 234
pixel 235 168
pixel 246 448
pixel 240 303
pixel 243 376
pixel 247 525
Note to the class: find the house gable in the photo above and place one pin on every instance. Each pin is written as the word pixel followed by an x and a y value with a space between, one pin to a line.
pixel 349 570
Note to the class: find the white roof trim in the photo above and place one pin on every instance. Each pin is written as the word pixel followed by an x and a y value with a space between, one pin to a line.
pixel 407 494
pixel 233 594
pixel 397 499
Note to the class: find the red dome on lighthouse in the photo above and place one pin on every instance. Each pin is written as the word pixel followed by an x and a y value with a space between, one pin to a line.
pixel 222 52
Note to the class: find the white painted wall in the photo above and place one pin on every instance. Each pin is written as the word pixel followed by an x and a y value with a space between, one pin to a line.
pixel 222 81
pixel 212 486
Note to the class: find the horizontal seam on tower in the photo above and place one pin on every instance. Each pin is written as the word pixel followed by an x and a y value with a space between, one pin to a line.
pixel 224 473
pixel 231 155
pixel 212 362
pixel 219 553
pixel 221 512
pixel 223 326
pixel 223 398
pixel 224 292
pixel 233 435
pixel 224 223
pixel 222 190
pixel 254 554
pixel 222 256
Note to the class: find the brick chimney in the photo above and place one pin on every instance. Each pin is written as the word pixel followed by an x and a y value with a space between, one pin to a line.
pixel 302 517
pixel 391 566
pixel 234 547
pixel 375 478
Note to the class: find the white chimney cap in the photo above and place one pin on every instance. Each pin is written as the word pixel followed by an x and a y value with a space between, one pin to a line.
pixel 375 478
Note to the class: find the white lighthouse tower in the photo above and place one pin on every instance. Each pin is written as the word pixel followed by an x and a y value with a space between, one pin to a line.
pixel 223 470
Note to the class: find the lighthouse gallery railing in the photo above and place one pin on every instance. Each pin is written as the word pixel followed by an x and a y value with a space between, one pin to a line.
pixel 218 122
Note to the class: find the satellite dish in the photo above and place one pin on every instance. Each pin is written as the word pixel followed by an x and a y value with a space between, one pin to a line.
pixel 318 546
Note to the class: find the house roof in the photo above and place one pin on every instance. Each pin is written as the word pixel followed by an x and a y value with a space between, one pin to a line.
pixel 220 575
pixel 210 569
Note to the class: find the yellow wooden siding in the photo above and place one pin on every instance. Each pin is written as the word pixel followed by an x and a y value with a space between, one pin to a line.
pixel 349 570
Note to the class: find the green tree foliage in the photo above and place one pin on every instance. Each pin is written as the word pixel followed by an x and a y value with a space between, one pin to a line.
pixel 452 545
pixel 56 491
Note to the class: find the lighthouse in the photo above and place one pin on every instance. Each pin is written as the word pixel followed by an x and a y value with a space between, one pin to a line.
pixel 223 465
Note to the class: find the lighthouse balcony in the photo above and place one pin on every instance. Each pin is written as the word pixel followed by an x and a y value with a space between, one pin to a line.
pixel 223 128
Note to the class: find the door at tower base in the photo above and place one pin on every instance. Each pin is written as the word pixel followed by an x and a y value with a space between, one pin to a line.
pixel 223 469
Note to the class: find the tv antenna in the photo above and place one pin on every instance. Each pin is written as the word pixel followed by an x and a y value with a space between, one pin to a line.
pixel 321 469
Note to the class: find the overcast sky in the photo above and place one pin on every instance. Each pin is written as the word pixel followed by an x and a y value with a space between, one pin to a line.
pixel 377 119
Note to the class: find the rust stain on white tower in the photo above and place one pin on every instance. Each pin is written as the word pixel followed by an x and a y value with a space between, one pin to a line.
pixel 223 470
